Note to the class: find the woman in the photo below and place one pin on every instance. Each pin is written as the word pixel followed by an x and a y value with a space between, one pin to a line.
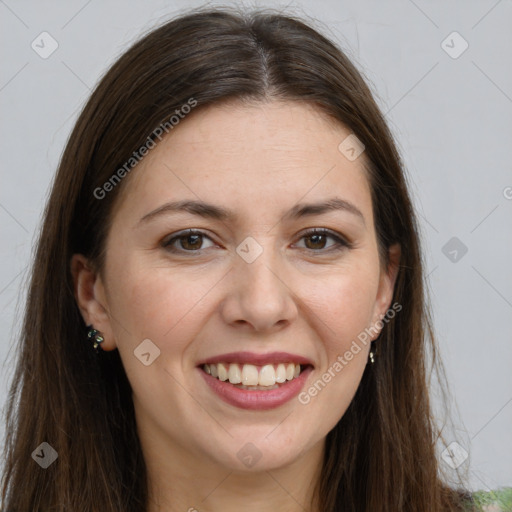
pixel 226 307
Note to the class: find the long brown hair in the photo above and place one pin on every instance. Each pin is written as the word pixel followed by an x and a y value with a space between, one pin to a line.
pixel 381 455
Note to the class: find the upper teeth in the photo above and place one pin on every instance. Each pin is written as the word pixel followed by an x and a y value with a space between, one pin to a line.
pixel 251 375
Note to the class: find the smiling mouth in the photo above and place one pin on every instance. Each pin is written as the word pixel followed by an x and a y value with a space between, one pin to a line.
pixel 253 377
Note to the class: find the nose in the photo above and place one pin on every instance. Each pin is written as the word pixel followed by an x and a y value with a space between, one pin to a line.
pixel 258 295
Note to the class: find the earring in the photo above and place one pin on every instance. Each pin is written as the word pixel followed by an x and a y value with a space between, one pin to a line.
pixel 372 354
pixel 96 337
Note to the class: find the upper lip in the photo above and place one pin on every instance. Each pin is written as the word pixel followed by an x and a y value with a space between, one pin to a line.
pixel 257 359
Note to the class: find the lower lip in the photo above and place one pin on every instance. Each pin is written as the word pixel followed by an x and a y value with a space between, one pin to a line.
pixel 257 400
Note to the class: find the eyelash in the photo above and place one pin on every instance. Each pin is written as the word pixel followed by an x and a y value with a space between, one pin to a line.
pixel 340 244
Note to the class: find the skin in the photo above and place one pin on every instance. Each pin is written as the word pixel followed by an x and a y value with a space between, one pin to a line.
pixel 298 296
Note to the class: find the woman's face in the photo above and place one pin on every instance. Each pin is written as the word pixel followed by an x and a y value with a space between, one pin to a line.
pixel 252 283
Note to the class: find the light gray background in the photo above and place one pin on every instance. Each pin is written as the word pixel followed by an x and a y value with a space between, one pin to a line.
pixel 452 118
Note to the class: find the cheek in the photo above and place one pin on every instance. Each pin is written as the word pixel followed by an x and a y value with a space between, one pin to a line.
pixel 345 302
pixel 160 303
pixel 164 302
pixel 344 311
pixel 167 307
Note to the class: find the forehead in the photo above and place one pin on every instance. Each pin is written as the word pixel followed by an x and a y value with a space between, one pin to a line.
pixel 250 155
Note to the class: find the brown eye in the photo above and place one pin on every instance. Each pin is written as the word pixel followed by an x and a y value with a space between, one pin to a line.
pixel 316 239
pixel 189 241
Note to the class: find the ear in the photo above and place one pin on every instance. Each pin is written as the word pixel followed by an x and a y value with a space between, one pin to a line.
pixel 386 285
pixel 90 296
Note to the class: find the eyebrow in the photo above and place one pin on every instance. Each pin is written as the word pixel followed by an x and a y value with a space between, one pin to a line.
pixel 208 210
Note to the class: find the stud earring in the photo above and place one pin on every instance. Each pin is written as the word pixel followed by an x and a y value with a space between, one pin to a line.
pixel 96 337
